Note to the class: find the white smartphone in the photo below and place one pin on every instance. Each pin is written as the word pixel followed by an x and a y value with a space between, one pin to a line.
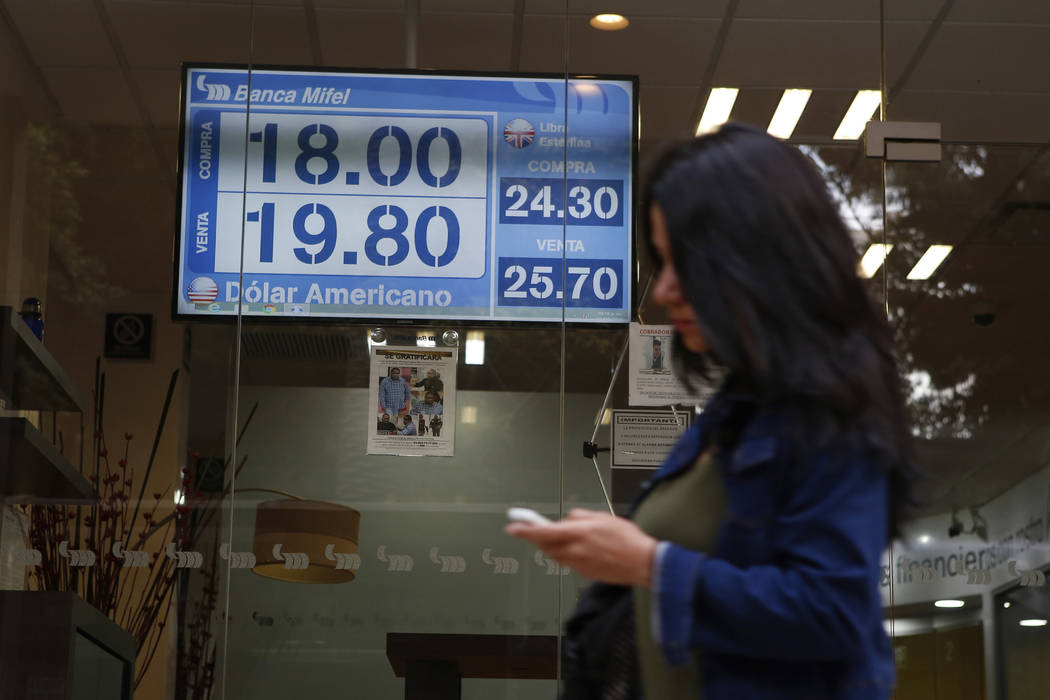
pixel 526 515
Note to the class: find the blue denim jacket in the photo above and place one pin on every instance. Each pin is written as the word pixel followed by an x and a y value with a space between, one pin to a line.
pixel 787 605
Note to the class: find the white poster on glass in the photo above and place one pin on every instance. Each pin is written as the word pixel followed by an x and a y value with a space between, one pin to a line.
pixel 413 395
pixel 652 379
pixel 643 438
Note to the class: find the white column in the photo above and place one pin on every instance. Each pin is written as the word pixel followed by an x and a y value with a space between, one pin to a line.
pixel 991 657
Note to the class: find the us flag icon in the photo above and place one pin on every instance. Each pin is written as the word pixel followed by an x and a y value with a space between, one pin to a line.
pixel 518 133
pixel 202 290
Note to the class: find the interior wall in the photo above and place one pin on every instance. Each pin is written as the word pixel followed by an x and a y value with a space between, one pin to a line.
pixel 941 665
pixel 311 442
pixel 1018 532
pixel 112 260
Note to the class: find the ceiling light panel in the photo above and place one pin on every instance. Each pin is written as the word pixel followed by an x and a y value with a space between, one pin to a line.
pixel 717 110
pixel 929 262
pixel 860 112
pixel 873 259
pixel 792 104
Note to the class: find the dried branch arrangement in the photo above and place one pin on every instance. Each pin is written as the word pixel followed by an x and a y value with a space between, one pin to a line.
pixel 126 554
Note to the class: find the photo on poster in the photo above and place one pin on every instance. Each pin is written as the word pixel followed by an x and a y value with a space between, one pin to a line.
pixel 651 367
pixel 653 381
pixel 412 392
pixel 654 356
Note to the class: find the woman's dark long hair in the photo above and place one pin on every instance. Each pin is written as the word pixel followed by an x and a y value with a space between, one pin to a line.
pixel 766 262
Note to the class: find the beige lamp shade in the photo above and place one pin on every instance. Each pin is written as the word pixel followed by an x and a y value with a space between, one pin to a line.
pixel 305 527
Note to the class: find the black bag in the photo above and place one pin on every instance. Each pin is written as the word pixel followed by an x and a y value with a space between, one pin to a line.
pixel 599 654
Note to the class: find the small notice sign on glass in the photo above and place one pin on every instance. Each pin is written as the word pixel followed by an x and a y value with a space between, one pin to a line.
pixel 643 438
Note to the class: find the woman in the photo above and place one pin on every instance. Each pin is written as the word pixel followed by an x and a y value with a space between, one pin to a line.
pixel 754 552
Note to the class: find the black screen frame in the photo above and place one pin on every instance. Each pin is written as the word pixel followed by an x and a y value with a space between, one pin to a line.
pixel 632 264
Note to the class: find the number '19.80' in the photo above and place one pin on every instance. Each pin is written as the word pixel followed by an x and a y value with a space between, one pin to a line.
pixel 327 237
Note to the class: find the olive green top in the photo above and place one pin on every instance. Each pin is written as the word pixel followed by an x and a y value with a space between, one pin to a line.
pixel 687 511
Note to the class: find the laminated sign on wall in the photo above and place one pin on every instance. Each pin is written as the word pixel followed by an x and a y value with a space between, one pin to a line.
pixel 413 395
pixel 652 379
pixel 643 438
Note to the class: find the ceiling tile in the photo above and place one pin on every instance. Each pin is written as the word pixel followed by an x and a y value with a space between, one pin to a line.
pixel 836 55
pixel 18 88
pixel 543 44
pixel 118 155
pixel 488 46
pixel 363 5
pixel 659 52
pixel 155 35
pixel 666 112
pixel 811 9
pixel 544 7
pixel 897 10
pixel 753 107
pixel 1026 11
pixel 256 3
pixel 646 8
pixel 903 42
pixel 361 39
pixel 281 37
pixel 93 95
pixel 62 32
pixel 818 123
pixel 160 91
pixel 975 117
pixel 480 6
pixel 824 112
pixel 986 57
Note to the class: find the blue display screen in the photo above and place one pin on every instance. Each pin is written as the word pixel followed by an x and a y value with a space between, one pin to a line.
pixel 379 195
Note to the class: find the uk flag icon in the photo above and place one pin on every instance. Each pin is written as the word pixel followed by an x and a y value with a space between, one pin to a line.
pixel 518 133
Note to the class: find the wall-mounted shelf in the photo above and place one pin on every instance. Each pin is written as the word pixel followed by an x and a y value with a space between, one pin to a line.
pixel 55 645
pixel 33 471
pixel 30 378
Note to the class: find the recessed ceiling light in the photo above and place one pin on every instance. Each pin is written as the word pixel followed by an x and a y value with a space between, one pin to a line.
pixel 789 111
pixel 1006 604
pixel 475 348
pixel 949 603
pixel 717 110
pixel 858 115
pixel 1036 622
pixel 609 22
pixel 869 265
pixel 929 262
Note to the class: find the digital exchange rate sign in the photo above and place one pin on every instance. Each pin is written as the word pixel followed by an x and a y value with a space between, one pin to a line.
pixel 410 196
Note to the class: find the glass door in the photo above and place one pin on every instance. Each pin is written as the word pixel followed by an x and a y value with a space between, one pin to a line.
pixel 968 238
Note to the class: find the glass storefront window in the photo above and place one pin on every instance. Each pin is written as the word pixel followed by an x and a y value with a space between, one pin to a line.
pixel 159 438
